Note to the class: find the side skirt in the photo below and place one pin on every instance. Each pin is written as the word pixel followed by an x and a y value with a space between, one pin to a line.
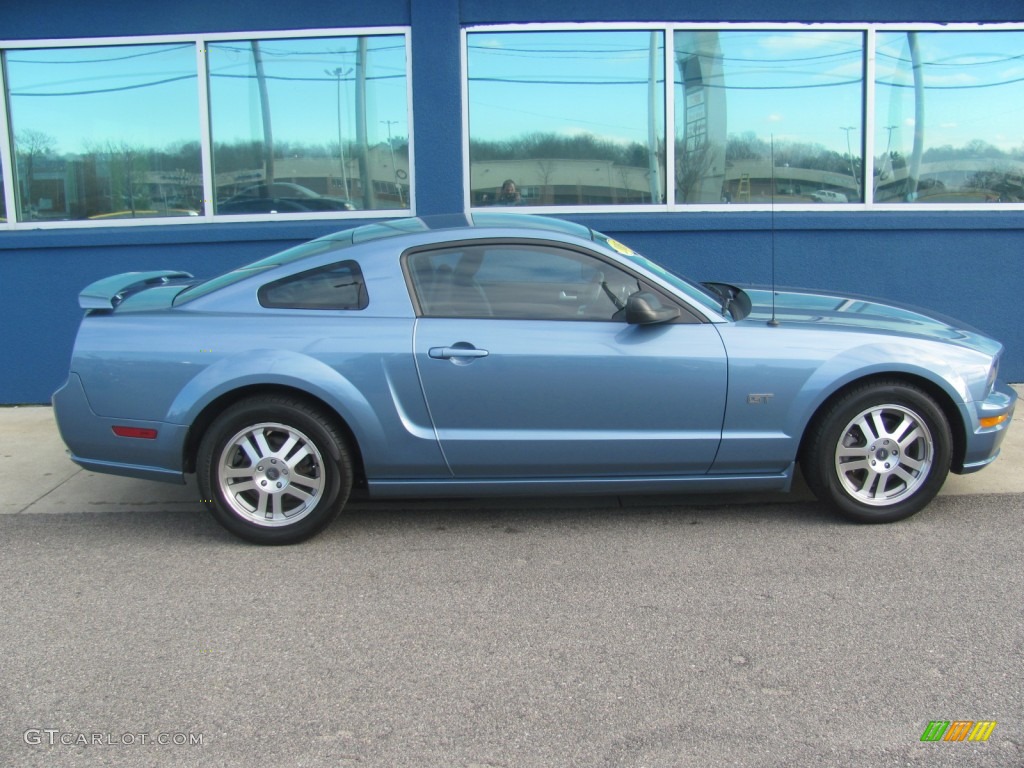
pixel 393 489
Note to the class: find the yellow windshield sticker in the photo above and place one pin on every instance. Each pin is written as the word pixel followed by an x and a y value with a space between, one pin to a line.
pixel 623 249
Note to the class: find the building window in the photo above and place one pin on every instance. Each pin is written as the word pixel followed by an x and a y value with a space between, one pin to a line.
pixel 208 127
pixel 309 125
pixel 774 116
pixel 567 118
pixel 746 98
pixel 947 117
pixel 105 133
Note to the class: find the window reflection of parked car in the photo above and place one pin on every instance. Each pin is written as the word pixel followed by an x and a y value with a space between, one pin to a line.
pixel 828 196
pixel 282 197
pixel 145 213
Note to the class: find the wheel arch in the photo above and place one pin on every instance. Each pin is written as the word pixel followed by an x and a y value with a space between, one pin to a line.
pixel 941 397
pixel 201 423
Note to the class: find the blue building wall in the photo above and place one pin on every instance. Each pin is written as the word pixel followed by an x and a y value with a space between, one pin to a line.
pixel 963 263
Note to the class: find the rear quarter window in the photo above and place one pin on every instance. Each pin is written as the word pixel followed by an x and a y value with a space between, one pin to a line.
pixel 336 286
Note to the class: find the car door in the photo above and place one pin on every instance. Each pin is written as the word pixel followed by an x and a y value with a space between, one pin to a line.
pixel 529 369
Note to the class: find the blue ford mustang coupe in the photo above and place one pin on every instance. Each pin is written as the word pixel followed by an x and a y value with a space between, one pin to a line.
pixel 499 353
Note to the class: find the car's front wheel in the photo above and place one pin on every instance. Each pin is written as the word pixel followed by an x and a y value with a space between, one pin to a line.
pixel 273 470
pixel 880 453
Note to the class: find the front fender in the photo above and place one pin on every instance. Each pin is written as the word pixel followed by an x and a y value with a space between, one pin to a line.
pixel 772 398
pixel 951 372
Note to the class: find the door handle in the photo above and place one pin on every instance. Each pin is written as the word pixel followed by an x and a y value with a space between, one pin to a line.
pixel 448 353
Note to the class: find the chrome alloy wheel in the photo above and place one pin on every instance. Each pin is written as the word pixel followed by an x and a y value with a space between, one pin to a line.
pixel 270 474
pixel 884 455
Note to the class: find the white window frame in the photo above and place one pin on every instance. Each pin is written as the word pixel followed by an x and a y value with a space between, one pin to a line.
pixel 669 28
pixel 200 41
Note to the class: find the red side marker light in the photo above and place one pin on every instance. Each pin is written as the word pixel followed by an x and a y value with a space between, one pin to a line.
pixel 145 434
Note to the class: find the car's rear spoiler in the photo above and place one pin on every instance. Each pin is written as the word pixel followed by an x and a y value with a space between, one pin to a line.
pixel 111 291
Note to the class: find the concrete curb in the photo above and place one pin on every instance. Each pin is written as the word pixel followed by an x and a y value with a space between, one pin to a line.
pixel 36 477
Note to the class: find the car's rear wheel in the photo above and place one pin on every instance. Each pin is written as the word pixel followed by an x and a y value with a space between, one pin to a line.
pixel 274 470
pixel 880 453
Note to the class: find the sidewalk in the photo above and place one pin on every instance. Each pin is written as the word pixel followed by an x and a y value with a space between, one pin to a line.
pixel 37 477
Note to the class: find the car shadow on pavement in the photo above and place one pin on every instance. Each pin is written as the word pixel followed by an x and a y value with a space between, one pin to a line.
pixel 178 520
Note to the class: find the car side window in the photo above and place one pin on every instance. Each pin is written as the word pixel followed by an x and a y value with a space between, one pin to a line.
pixel 515 281
pixel 335 286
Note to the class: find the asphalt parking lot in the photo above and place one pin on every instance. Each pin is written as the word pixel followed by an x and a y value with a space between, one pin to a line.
pixel 557 632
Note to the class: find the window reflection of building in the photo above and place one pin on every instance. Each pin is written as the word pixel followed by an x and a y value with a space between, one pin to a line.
pixel 320 175
pixel 965 180
pixel 701 117
pixel 102 187
pixel 562 182
pixel 107 185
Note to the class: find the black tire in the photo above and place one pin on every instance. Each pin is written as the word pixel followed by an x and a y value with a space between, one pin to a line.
pixel 878 454
pixel 274 470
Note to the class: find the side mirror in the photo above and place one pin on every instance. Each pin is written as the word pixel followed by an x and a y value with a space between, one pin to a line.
pixel 645 308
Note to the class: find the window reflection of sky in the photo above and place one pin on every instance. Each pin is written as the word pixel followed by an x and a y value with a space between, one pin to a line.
pixel 597 82
pixel 303 78
pixel 973 84
pixel 798 86
pixel 566 83
pixel 142 95
pixel 147 95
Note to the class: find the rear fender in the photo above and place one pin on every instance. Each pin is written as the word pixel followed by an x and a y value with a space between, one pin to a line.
pixel 281 368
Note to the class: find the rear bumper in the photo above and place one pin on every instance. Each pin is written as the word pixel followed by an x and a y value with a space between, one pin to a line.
pixel 93 445
pixel 983 443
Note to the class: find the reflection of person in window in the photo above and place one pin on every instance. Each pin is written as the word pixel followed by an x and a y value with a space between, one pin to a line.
pixel 508 195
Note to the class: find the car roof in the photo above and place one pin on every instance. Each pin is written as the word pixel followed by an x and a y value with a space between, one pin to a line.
pixel 453 221
pixel 408 227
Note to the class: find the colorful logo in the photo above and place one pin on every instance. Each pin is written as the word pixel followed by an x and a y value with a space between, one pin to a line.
pixel 958 730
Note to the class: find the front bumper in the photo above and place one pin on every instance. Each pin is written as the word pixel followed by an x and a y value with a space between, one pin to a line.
pixel 983 443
